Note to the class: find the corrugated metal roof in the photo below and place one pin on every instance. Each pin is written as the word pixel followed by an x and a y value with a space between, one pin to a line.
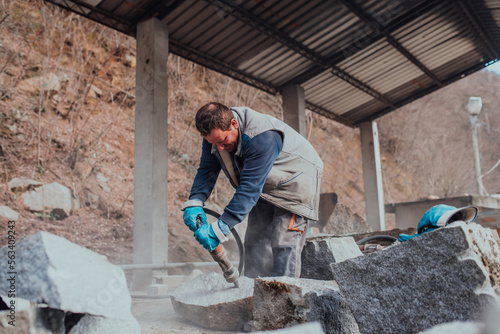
pixel 356 59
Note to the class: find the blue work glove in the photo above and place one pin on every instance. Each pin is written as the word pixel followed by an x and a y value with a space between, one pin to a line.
pixel 209 236
pixel 192 211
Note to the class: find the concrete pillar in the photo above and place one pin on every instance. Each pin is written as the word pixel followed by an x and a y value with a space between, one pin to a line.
pixel 372 176
pixel 150 162
pixel 294 108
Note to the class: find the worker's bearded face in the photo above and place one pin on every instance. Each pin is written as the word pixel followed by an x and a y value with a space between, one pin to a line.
pixel 224 140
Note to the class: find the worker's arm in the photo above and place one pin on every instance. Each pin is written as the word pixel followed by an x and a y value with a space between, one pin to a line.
pixel 259 154
pixel 207 174
pixel 202 187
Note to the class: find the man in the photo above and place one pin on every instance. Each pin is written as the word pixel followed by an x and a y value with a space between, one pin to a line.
pixel 276 173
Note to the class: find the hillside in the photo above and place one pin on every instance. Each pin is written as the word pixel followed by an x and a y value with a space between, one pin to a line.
pixel 79 131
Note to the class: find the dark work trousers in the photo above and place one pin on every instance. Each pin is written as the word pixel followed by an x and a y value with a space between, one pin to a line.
pixel 273 241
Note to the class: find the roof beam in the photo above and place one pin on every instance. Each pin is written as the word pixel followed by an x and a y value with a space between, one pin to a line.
pixel 354 47
pixel 368 19
pixel 267 29
pixel 95 14
pixel 420 94
pixel 328 114
pixel 466 12
pixel 159 10
pixel 361 86
pixel 220 67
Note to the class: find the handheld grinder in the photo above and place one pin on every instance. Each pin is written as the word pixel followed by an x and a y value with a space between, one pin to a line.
pixel 219 255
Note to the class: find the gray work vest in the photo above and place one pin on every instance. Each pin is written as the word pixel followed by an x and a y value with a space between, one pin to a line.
pixel 294 181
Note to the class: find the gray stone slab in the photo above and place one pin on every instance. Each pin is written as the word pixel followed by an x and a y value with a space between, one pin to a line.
pixel 281 302
pixel 322 250
pixel 52 270
pixel 450 274
pixel 209 301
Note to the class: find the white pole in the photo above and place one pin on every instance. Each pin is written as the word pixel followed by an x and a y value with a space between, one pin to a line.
pixel 474 106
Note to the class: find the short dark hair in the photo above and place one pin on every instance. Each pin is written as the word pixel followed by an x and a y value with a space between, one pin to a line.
pixel 213 115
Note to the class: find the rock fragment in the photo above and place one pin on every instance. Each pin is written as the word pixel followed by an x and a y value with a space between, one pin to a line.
pixel 52 270
pixel 344 221
pixel 281 302
pixel 53 197
pixel 22 185
pixel 209 301
pixel 28 318
pixel 450 274
pixel 8 213
pixel 322 250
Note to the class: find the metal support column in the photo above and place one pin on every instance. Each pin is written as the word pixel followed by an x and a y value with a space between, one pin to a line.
pixel 150 161
pixel 372 176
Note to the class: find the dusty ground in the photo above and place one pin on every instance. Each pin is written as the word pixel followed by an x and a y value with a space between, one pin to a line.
pixel 157 316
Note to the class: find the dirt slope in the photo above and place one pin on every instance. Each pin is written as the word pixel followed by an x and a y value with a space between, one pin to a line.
pixel 80 131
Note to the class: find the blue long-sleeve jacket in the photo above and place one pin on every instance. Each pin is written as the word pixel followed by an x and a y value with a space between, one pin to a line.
pixel 252 169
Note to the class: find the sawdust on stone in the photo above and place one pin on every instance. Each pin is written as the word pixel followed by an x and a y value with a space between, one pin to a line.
pixel 211 288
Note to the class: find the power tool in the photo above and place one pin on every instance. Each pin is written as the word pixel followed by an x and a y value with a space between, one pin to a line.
pixel 219 255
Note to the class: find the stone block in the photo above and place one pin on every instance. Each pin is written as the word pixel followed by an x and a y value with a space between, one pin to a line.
pixel 322 250
pixel 209 301
pixel 344 221
pixel 53 196
pixel 309 328
pixel 65 276
pixel 26 318
pixel 157 289
pixel 8 213
pixel 281 302
pixel 91 324
pixel 450 274
pixel 22 185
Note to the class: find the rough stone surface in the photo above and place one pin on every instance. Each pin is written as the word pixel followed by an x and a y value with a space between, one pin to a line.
pixel 322 250
pixel 344 221
pixel 8 213
pixel 91 324
pixel 309 328
pixel 68 277
pixel 30 319
pixel 446 275
pixel 49 197
pixel 281 302
pixel 22 185
pixel 209 301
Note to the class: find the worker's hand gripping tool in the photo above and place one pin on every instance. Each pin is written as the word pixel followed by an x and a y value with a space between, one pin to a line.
pixel 219 255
